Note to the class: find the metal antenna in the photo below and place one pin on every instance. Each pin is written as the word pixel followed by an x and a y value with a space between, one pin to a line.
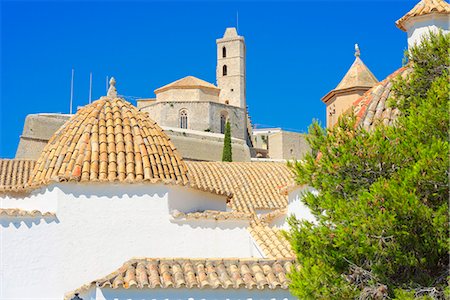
pixel 90 88
pixel 107 84
pixel 237 21
pixel 71 91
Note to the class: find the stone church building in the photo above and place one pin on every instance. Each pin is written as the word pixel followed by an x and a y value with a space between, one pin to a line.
pixel 194 112
pixel 110 207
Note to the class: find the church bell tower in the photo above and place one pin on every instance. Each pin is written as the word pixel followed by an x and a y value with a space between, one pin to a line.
pixel 230 72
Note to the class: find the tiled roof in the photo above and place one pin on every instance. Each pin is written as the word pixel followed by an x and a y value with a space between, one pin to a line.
pixel 212 215
pixel 14 174
pixel 372 106
pixel 358 75
pixel 19 213
pixel 188 82
pixel 227 273
pixel 270 240
pixel 424 7
pixel 253 185
pixel 106 141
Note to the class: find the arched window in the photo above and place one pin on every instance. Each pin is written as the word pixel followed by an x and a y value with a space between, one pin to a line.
pixel 224 70
pixel 224 52
pixel 223 121
pixel 183 119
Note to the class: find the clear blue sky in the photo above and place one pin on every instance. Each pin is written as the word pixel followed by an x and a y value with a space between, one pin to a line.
pixel 297 51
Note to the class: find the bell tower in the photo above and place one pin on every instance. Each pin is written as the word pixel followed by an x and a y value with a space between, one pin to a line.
pixel 230 72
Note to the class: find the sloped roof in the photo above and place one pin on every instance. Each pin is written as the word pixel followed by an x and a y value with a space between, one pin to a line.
pixel 270 240
pixel 372 106
pixel 106 141
pixel 422 8
pixel 358 75
pixel 253 185
pixel 226 273
pixel 15 173
pixel 188 82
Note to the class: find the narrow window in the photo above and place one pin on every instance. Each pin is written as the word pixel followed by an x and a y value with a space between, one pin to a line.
pixel 183 119
pixel 224 52
pixel 224 70
pixel 223 122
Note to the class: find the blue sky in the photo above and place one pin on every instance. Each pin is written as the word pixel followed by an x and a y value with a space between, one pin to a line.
pixel 297 51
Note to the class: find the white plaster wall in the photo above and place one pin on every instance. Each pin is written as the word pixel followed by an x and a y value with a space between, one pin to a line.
pixel 99 227
pixel 419 27
pixel 296 207
pixel 43 199
pixel 187 294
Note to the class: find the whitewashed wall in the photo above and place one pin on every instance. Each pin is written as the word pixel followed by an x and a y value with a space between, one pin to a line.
pixel 419 27
pixel 186 294
pixel 99 227
pixel 296 207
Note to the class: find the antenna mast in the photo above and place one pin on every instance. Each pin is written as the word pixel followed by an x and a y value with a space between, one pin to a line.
pixel 237 21
pixel 107 84
pixel 90 88
pixel 71 91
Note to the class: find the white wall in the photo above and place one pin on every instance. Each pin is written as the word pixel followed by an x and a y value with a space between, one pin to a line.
pixel 295 207
pixel 98 227
pixel 186 294
pixel 419 27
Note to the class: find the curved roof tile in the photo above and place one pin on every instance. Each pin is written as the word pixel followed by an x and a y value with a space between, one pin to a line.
pixel 422 8
pixel 227 273
pixel 253 185
pixel 372 106
pixel 106 141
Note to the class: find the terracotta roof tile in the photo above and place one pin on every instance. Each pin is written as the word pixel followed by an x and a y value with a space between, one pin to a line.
pixel 19 213
pixel 253 185
pixel 15 173
pixel 227 273
pixel 372 106
pixel 187 82
pixel 270 240
pixel 212 215
pixel 422 8
pixel 108 141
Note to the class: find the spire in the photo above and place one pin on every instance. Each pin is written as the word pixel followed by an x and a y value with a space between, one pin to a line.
pixel 358 75
pixel 112 92
pixel 357 51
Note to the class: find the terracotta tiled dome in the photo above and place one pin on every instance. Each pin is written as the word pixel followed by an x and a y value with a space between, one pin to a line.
pixel 373 107
pixel 109 140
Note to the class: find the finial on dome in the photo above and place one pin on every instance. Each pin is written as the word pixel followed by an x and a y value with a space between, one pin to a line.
pixel 112 92
pixel 357 51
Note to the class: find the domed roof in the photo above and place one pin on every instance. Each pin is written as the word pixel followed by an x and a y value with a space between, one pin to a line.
pixel 109 140
pixel 372 107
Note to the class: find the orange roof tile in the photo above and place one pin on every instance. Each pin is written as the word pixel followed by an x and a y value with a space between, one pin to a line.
pixel 253 185
pixel 422 8
pixel 270 240
pixel 226 273
pixel 19 213
pixel 15 173
pixel 109 140
pixel 372 106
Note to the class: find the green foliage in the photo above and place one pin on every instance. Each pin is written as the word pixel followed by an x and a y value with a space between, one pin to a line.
pixel 382 201
pixel 227 152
